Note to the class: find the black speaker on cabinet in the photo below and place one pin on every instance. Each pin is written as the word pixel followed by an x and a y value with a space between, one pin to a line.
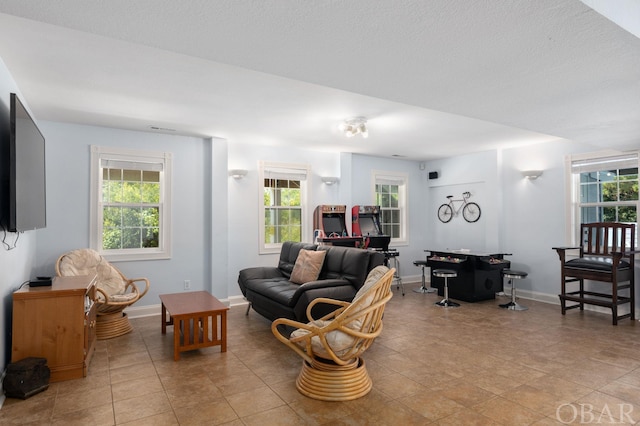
pixel 433 175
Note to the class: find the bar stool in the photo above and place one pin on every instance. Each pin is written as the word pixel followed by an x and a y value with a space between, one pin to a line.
pixel 393 255
pixel 513 275
pixel 423 289
pixel 446 274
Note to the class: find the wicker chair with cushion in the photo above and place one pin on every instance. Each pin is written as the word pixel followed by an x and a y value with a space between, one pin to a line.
pixel 114 291
pixel 331 346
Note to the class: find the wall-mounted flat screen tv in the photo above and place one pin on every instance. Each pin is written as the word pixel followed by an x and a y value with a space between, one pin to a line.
pixel 27 177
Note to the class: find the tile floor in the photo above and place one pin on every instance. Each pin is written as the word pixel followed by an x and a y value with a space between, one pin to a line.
pixel 476 364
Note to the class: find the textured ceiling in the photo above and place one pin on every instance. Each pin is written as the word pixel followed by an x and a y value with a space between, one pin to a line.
pixel 435 78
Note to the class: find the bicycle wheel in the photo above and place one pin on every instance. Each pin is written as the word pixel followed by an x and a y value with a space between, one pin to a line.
pixel 471 212
pixel 445 213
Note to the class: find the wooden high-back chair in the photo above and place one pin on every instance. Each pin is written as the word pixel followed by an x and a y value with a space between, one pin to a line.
pixel 606 254
pixel 331 346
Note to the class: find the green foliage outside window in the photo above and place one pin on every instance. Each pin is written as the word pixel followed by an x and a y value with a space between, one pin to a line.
pixel 282 211
pixel 609 196
pixel 131 210
pixel 387 197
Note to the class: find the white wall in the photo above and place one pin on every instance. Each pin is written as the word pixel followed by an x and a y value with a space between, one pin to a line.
pixel 244 196
pixel 478 174
pixel 16 265
pixel 68 180
pixel 362 194
pixel 534 213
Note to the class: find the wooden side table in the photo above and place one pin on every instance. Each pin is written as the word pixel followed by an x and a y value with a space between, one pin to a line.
pixel 194 316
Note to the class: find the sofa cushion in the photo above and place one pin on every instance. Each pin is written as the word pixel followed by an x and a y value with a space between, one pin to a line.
pixel 345 263
pixel 279 290
pixel 307 267
pixel 289 254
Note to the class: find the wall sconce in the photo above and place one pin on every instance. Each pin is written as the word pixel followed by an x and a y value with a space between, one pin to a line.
pixel 237 173
pixel 330 180
pixel 531 174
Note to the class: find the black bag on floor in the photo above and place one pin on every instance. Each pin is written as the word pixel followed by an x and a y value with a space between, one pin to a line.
pixel 26 378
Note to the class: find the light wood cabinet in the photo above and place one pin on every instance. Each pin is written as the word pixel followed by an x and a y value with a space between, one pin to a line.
pixel 57 323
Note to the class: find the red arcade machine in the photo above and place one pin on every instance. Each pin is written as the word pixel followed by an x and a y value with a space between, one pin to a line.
pixel 365 222
pixel 330 226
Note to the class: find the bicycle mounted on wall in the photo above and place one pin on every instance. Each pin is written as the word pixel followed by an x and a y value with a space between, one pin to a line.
pixel 470 210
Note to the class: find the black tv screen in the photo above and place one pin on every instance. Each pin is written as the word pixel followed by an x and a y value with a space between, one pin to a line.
pixel 333 225
pixel 27 177
pixel 367 226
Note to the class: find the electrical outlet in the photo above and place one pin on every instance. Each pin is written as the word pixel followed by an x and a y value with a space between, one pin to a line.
pixel 187 284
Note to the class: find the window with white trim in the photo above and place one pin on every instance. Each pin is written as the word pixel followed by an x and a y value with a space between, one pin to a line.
pixel 130 203
pixel 283 205
pixel 390 192
pixel 605 189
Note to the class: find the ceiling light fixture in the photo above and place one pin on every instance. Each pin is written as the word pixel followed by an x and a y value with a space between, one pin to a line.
pixel 355 125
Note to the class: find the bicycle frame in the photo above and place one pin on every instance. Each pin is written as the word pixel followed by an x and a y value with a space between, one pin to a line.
pixel 463 202
pixel 470 210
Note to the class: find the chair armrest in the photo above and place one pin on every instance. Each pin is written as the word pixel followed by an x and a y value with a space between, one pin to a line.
pixel 562 252
pixel 327 301
pixel 292 343
pixel 131 281
pixel 627 253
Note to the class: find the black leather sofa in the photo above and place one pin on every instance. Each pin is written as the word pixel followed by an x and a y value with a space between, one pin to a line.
pixel 272 295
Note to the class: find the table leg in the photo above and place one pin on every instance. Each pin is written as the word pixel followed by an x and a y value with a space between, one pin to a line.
pixel 223 331
pixel 177 327
pixel 164 319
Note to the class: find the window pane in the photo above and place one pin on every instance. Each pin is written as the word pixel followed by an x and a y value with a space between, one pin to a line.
pixel 282 224
pixel 112 217
pixel 115 191
pixel 150 216
pixel 589 214
pixel 131 227
pixel 111 239
pixel 131 238
pixel 629 190
pixel 628 214
pixel 589 193
pixel 151 237
pixel 148 176
pixel 393 202
pixel 588 177
pixel 607 175
pixel 131 217
pixel 132 192
pixel 609 214
pixel 151 193
pixel 610 191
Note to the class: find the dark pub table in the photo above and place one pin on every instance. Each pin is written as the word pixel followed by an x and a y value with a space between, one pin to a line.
pixel 479 275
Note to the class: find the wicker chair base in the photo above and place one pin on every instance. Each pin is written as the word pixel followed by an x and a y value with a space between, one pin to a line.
pixel 112 325
pixel 330 382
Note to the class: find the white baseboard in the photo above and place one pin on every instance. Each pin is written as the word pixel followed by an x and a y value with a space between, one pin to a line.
pixel 156 310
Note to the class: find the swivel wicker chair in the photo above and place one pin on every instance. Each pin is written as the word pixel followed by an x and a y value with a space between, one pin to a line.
pixel 114 291
pixel 332 369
